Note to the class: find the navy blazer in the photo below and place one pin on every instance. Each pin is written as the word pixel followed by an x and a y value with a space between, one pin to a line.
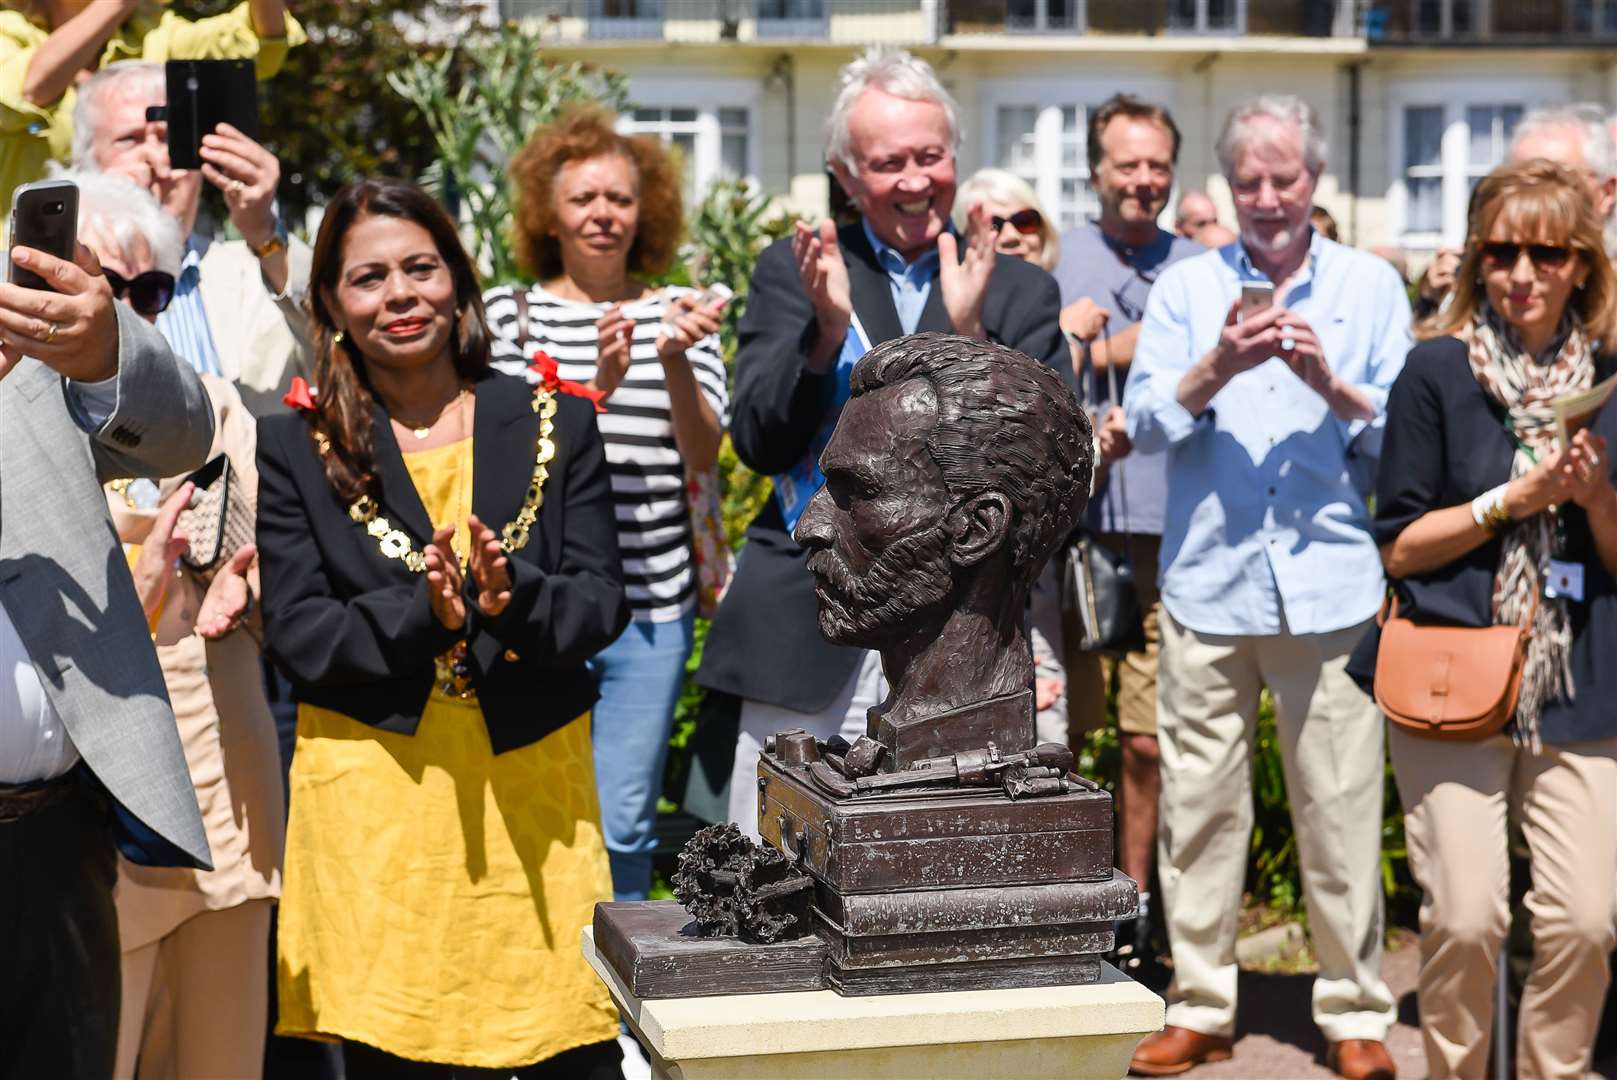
pixel 765 642
pixel 353 629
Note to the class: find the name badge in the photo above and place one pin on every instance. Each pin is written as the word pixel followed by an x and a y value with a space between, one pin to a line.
pixel 1565 580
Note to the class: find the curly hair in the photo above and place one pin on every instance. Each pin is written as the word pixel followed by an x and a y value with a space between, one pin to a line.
pixel 582 132
pixel 1005 423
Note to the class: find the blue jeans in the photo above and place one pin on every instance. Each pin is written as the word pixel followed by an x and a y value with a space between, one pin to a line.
pixel 640 675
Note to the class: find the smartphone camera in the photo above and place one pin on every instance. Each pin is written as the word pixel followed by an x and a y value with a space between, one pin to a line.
pixel 55 208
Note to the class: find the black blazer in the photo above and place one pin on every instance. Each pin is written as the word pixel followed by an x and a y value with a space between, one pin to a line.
pixel 353 629
pixel 765 643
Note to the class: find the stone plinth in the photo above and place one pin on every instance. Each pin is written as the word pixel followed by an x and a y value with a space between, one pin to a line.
pixel 1082 1032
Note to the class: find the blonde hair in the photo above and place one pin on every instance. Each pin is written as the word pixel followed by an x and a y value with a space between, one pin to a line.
pixel 1544 202
pixel 1006 187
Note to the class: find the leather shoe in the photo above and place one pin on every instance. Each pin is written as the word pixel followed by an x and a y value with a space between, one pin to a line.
pixel 1174 1050
pixel 1361 1059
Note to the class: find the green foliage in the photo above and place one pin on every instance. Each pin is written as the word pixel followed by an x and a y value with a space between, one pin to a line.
pixel 480 102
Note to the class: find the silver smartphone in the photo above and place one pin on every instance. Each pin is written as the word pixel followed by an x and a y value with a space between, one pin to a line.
pixel 1255 296
pixel 45 217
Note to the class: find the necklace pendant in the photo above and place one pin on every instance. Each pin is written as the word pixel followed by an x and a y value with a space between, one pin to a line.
pixel 422 432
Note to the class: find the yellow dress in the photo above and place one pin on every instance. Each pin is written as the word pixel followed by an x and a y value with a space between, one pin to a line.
pixel 434 892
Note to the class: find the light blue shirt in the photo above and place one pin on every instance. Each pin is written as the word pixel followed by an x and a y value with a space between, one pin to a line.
pixel 1266 527
pixel 184 323
pixel 911 282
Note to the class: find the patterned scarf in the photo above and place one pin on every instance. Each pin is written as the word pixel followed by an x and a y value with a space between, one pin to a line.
pixel 1525 385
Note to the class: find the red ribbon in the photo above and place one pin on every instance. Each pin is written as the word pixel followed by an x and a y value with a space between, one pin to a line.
pixel 545 368
pixel 300 396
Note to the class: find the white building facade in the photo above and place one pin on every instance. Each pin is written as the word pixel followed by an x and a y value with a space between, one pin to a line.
pixel 1418 96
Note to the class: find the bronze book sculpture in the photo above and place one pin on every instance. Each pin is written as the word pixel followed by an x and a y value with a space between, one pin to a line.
pixel 942 849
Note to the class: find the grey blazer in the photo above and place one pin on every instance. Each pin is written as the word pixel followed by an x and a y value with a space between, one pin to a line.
pixel 66 586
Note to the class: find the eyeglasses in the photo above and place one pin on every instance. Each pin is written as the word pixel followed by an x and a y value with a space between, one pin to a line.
pixel 148 293
pixel 1505 253
pixel 1027 222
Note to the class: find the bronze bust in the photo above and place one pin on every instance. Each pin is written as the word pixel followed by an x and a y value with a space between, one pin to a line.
pixel 957 468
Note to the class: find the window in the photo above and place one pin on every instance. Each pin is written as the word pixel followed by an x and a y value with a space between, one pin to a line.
pixel 1446 150
pixel 1207 16
pixel 1044 15
pixel 791 18
pixel 1047 147
pixel 1594 16
pixel 625 18
pixel 1445 18
pixel 713 142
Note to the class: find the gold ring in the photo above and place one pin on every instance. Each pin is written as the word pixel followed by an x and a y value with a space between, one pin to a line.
pixel 236 187
pixel 50 332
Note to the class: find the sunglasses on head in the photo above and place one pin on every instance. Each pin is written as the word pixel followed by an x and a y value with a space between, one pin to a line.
pixel 148 293
pixel 1543 256
pixel 1027 222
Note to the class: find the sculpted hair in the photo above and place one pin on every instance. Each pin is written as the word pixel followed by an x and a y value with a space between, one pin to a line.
pixel 892 71
pixel 1012 190
pixel 1538 201
pixel 1130 108
pixel 1005 423
pixel 124 77
pixel 345 404
pixel 1286 108
pixel 579 133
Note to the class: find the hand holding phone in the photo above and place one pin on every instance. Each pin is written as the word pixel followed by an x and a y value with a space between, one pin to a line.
pixel 44 217
pixel 715 296
pixel 1255 296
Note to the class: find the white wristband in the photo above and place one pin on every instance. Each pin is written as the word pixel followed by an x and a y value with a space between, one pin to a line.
pixel 1488 500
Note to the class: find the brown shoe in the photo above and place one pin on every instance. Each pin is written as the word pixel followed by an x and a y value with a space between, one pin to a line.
pixel 1174 1050
pixel 1361 1059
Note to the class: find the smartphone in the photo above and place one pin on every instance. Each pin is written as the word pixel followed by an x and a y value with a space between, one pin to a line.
pixel 1255 296
pixel 716 293
pixel 45 217
pixel 202 94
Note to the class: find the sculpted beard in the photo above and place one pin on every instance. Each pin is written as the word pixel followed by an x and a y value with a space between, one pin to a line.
pixel 913 573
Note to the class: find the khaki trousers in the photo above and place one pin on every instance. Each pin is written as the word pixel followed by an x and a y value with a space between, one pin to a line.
pixel 195 1002
pixel 1457 800
pixel 1331 748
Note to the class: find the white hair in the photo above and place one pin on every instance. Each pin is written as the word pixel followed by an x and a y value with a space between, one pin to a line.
pixel 892 71
pixel 124 77
pixel 125 214
pixel 1587 118
pixel 1287 109
pixel 1008 188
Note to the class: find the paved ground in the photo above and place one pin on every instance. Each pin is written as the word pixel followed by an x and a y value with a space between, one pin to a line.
pixel 1276 1039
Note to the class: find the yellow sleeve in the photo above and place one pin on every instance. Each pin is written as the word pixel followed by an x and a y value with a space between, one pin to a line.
pixel 19 40
pixel 221 37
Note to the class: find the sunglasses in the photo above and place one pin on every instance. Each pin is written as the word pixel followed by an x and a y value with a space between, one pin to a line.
pixel 148 293
pixel 1544 256
pixel 1027 222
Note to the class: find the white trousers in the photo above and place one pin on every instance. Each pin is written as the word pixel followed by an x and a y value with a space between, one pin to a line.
pixel 845 716
pixel 1331 749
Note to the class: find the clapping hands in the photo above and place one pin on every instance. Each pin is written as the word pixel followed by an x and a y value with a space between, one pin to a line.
pixel 964 278
pixel 489 567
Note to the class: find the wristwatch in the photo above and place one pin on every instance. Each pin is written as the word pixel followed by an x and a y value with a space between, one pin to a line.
pixel 276 242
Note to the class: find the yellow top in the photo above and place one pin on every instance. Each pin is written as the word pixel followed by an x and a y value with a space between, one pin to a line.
pixel 31 135
pixel 435 892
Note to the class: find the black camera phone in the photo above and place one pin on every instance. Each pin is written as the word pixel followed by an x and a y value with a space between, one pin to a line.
pixel 202 94
pixel 45 217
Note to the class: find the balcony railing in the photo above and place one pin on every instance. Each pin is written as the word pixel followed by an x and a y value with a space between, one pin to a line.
pixel 853 22
pixel 1152 18
pixel 1491 22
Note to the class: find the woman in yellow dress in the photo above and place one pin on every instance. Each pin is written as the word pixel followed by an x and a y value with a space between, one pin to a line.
pixel 439 560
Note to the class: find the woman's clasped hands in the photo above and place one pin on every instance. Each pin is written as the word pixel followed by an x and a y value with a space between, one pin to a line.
pixel 488 567
pixel 1579 473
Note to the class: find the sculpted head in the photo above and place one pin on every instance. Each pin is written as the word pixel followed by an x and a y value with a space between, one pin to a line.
pixel 956 468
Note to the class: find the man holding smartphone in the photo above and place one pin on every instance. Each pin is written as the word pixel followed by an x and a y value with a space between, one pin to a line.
pixel 89 753
pixel 1269 578
pixel 253 287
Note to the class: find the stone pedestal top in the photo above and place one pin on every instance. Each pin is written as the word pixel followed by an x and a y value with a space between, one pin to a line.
pixel 783 1025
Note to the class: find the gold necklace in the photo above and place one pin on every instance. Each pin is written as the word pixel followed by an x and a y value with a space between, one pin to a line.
pixel 424 431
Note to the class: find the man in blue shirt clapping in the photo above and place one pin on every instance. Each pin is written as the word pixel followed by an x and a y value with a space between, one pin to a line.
pixel 1269 410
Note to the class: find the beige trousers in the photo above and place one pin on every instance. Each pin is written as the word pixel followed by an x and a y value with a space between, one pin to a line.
pixel 1457 800
pixel 1331 747
pixel 195 1002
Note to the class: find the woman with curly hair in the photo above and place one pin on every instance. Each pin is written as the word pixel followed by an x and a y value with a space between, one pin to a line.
pixel 439 561
pixel 597 212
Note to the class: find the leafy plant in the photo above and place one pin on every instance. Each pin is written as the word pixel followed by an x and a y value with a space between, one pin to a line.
pixel 481 101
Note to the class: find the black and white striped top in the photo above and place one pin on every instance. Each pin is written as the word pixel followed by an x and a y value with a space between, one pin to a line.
pixel 648 479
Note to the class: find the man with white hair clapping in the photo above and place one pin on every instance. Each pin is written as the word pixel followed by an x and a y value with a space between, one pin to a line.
pixel 819 299
pixel 1263 369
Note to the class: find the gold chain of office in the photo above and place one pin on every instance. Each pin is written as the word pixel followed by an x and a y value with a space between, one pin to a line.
pixel 395 543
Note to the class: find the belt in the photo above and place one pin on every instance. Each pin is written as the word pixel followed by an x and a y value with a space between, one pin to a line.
pixel 18 801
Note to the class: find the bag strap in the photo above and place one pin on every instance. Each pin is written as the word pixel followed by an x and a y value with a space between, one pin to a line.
pixel 1116 400
pixel 1389 611
pixel 521 295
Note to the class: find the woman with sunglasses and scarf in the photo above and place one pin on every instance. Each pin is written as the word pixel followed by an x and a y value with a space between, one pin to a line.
pixel 194 943
pixel 1486 518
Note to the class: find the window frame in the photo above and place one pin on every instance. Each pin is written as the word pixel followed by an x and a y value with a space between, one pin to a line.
pixel 602 25
pixel 1200 26
pixel 707 97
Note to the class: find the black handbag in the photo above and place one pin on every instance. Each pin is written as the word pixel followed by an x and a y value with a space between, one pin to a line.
pixel 1100 599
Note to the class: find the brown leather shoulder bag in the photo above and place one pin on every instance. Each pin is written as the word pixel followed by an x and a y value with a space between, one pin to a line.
pixel 1455 683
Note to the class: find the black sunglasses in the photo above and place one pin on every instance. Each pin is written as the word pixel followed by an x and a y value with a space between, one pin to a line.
pixel 1543 256
pixel 148 293
pixel 1027 222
